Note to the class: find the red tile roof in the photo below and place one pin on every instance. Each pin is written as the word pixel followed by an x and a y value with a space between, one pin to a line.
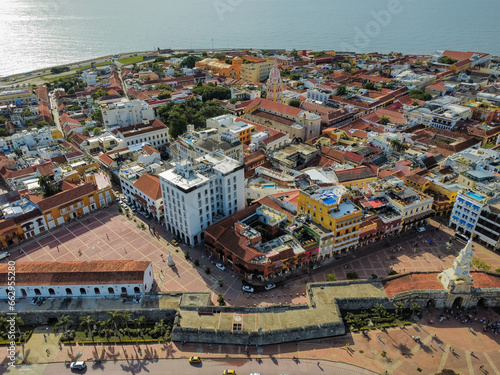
pixel 149 185
pixel 77 273
pixel 65 197
pixel 406 283
pixel 269 105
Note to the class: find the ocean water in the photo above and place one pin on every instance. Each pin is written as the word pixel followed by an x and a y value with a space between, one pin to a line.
pixel 37 34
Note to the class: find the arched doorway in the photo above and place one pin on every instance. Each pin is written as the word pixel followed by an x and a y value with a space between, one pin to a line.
pixel 431 304
pixel 23 293
pixel 458 302
pixel 481 303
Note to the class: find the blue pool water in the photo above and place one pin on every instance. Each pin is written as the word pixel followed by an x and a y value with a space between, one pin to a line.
pixel 475 195
pixel 329 201
pixel 269 186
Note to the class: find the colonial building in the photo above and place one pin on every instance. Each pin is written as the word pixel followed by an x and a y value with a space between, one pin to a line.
pixel 293 121
pixel 118 278
pixel 153 132
pixel 275 85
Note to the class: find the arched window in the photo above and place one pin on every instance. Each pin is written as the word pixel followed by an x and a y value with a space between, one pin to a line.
pixel 37 292
pixel 69 292
pixel 51 291
pixel 111 290
pixel 137 290
pixel 97 291
pixel 124 290
pixel 83 291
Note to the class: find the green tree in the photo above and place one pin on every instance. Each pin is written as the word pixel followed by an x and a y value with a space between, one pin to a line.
pixel 64 321
pixel 3 120
pixel 48 187
pixel 415 308
pixel 379 310
pixel 26 112
pixel 164 95
pixel 126 317
pixel 384 120
pixel 399 308
pixel 330 277
pixel 295 103
pixel 97 131
pixel 419 95
pixel 294 77
pixel 114 319
pixel 234 100
pixel 97 116
pixel 87 321
pixel 220 300
pixel 190 61
pixel 342 90
pixel 369 86
pixel 87 130
pixel 295 54
pixel 99 94
pixel 3 132
pixel 41 124
pixel 447 60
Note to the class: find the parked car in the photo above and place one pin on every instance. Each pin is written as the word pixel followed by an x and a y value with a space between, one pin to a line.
pixel 194 360
pixel 270 286
pixel 220 266
pixel 247 288
pixel 421 229
pixel 175 242
pixel 78 365
pixel 229 372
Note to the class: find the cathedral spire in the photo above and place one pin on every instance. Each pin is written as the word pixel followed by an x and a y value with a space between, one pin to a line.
pixel 275 85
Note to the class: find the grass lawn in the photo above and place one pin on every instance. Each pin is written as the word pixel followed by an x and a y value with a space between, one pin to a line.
pixel 130 60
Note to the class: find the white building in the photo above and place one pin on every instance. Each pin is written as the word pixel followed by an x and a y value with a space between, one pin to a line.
pixel 126 113
pixel 89 77
pixel 99 278
pixel 466 211
pixel 153 132
pixel 200 193
pixel 142 188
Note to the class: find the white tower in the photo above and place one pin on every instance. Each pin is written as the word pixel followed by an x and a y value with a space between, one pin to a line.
pixel 458 277
pixel 274 85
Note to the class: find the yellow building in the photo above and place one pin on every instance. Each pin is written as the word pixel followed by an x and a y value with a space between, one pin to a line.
pixel 218 68
pixel 360 176
pixel 56 133
pixel 256 69
pixel 444 196
pixel 330 208
pixel 24 95
pixel 77 201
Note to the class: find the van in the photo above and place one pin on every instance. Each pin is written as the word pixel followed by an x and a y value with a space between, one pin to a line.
pixel 461 237
pixel 4 255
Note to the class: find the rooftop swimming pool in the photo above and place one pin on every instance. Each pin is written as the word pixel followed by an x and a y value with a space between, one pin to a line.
pixel 268 186
pixel 476 196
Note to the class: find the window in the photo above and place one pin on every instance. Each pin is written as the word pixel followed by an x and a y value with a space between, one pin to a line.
pixel 69 292
pixel 97 291
pixel 51 291
pixel 111 290
pixel 83 291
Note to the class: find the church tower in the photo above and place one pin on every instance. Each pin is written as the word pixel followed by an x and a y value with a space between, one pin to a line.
pixel 458 277
pixel 275 85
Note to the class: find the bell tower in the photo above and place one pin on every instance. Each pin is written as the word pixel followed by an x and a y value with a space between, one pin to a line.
pixel 458 277
pixel 275 85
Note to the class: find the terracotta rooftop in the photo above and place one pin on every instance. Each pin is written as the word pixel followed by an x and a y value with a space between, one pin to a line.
pixel 65 197
pixel 353 174
pixel 417 281
pixel 77 273
pixel 149 185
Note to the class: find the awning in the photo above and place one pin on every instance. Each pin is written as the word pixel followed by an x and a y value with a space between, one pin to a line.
pixel 476 207
pixel 455 217
pixel 141 200
pixel 462 221
pixel 470 225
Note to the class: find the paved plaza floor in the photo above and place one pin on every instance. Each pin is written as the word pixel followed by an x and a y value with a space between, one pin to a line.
pixel 105 234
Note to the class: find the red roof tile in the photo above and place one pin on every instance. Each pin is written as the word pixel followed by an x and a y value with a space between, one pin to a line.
pixel 65 197
pixel 149 185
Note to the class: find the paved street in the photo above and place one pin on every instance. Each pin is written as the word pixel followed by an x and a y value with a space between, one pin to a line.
pixel 207 367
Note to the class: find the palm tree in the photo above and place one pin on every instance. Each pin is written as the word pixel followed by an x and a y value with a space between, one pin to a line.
pixel 3 324
pixel 64 321
pixel 126 317
pixel 379 309
pixel 139 322
pixel 414 308
pixel 160 327
pixel 115 317
pixel 87 321
pixel 19 323
pixel 399 308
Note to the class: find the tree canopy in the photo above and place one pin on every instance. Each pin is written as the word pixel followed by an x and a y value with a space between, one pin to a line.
pixel 48 187
pixel 192 111
pixel 164 95
pixel 295 103
pixel 384 120
pixel 419 94
pixel 99 94
pixel 446 60
pixel 190 61
pixel 342 90
pixel 97 116
pixel 209 92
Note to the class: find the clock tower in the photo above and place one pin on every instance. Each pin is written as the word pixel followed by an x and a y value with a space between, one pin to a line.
pixel 458 277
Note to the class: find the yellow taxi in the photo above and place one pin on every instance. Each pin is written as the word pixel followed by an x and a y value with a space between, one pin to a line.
pixel 229 372
pixel 175 242
pixel 194 360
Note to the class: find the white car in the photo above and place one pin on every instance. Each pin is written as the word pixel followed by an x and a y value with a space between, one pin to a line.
pixel 247 288
pixel 220 266
pixel 421 229
pixel 270 286
pixel 79 365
